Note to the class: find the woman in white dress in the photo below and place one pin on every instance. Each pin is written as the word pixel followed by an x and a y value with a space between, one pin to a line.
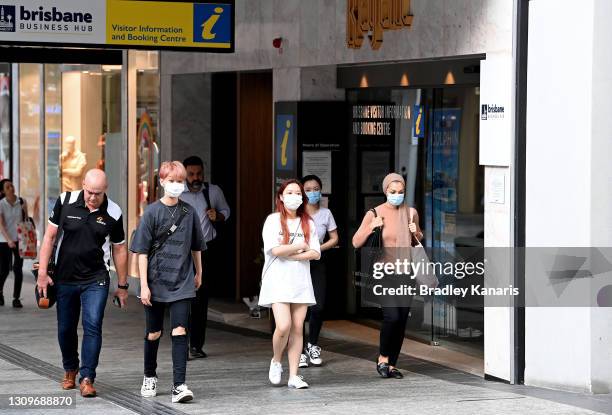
pixel 290 243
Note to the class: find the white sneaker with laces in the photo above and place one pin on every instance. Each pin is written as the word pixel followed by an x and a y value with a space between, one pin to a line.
pixel 314 354
pixel 297 382
pixel 149 387
pixel 303 360
pixel 181 393
pixel 276 371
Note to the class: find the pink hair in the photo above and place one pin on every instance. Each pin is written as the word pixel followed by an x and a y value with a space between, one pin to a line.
pixel 175 168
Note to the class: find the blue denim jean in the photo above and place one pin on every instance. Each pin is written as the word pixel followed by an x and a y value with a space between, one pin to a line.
pixel 72 299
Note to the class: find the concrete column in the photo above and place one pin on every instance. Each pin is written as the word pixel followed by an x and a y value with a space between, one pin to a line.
pixel 191 117
pixel 568 181
pixel 286 84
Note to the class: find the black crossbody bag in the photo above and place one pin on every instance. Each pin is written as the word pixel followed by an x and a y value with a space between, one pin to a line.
pixel 163 237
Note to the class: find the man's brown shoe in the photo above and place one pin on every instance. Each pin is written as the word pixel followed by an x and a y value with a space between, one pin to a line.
pixel 69 379
pixel 87 388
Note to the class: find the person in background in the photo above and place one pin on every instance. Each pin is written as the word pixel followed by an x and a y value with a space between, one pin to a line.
pixel 394 216
pixel 168 242
pixel 290 243
pixel 209 203
pixel 13 210
pixel 325 226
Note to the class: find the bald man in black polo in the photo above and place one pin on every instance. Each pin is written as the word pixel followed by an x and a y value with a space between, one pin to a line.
pixel 91 231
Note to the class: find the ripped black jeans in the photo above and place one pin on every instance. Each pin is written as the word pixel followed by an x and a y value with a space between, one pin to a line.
pixel 179 317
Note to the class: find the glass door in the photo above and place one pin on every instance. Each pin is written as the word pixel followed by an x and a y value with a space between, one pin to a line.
pixel 432 141
pixel 454 211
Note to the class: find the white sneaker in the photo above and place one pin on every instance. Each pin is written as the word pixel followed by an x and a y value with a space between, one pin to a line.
pixel 303 360
pixel 181 393
pixel 276 371
pixel 297 382
pixel 314 354
pixel 149 387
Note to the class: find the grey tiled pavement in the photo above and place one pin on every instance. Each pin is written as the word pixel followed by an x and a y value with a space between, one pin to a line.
pixel 233 379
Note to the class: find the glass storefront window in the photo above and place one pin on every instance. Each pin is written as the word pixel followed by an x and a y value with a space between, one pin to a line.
pixel 147 107
pixel 144 145
pixel 5 120
pixel 80 129
pixel 31 186
pixel 144 141
pixel 111 142
pixel 443 181
pixel 53 132
pixel 90 131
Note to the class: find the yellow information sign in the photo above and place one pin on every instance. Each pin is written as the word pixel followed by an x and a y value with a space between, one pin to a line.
pixel 162 24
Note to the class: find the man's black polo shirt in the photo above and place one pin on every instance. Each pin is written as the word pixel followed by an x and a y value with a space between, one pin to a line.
pixel 83 252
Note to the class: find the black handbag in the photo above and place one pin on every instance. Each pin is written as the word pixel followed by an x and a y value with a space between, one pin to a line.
pixel 370 253
pixel 375 239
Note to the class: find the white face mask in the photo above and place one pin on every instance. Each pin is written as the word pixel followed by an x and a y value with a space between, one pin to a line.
pixel 292 202
pixel 173 189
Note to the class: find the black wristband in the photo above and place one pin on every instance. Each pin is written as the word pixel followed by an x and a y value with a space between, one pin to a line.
pixel 123 287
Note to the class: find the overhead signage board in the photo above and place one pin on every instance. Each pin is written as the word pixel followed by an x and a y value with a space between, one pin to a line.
pixel 203 26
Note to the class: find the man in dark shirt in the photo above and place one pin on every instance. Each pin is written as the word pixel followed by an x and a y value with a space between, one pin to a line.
pixel 91 231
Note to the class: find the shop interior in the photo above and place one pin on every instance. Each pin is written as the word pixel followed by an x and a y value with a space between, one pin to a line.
pixel 81 114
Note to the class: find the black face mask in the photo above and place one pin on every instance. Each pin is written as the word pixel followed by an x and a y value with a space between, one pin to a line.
pixel 195 185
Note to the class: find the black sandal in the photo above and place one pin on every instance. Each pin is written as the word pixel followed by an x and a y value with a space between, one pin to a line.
pixel 383 369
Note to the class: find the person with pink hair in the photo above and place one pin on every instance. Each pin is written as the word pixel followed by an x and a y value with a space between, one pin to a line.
pixel 168 242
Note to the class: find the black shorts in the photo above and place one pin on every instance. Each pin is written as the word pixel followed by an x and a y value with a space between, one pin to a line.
pixel 179 315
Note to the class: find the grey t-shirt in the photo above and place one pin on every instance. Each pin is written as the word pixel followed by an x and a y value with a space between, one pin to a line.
pixel 170 273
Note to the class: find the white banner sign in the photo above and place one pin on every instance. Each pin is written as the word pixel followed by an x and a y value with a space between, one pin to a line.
pixel 496 111
pixel 67 21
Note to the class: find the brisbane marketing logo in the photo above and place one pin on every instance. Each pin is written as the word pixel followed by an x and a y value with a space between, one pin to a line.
pixel 492 112
pixel 7 18
pixel 212 23
pixel 483 113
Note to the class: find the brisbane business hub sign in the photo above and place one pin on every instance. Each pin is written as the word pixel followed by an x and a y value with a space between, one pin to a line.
pixel 193 25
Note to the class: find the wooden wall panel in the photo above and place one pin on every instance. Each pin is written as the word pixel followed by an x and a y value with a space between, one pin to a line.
pixel 254 175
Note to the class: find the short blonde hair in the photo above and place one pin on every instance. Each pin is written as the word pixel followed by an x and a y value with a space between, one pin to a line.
pixel 175 168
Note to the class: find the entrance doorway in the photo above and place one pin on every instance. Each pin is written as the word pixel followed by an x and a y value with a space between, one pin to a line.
pixel 431 140
pixel 241 164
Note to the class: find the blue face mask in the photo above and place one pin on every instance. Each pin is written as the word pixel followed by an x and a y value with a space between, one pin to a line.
pixel 313 197
pixel 395 199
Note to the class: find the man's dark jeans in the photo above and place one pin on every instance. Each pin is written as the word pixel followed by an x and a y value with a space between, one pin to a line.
pixel 90 298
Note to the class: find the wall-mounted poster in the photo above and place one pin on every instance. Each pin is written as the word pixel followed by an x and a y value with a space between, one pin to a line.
pixel 318 163
pixel 445 160
pixel 375 165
